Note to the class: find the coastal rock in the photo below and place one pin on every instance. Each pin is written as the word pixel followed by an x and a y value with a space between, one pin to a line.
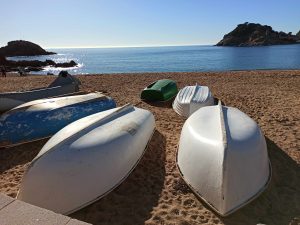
pixel 72 63
pixel 254 34
pixel 33 69
pixel 50 62
pixel 23 48
pixel 32 65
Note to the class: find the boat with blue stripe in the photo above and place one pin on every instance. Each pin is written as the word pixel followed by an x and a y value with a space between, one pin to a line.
pixel 42 118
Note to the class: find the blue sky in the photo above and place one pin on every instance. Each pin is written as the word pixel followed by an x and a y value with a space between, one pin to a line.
pixel 106 23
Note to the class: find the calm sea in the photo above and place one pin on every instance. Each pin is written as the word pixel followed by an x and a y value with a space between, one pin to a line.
pixel 179 59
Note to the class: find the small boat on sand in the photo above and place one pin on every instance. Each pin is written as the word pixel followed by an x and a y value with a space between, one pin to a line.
pixel 160 91
pixel 87 159
pixel 42 118
pixel 62 85
pixel 191 98
pixel 222 156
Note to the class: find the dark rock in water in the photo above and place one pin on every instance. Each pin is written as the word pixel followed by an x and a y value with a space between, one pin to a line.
pixel 254 34
pixel 33 65
pixel 24 63
pixel 66 64
pixel 33 69
pixel 23 48
pixel 50 62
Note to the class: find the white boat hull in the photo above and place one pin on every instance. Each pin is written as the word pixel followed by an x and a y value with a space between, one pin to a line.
pixel 87 159
pixel 223 157
pixel 191 98
pixel 62 85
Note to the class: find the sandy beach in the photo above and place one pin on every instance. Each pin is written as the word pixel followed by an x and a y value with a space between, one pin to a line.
pixel 154 193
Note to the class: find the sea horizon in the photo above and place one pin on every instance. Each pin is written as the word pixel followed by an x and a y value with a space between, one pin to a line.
pixel 126 46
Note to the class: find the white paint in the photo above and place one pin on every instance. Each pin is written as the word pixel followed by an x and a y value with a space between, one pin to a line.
pixel 87 159
pixel 55 103
pixel 191 98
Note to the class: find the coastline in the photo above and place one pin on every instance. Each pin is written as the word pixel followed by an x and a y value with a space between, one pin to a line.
pixel 198 58
pixel 270 97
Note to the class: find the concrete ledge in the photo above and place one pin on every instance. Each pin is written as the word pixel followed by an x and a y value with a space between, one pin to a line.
pixel 15 212
pixel 5 200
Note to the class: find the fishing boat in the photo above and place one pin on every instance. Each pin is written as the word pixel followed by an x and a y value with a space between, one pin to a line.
pixel 62 85
pixel 87 159
pixel 191 98
pixel 222 156
pixel 42 118
pixel 161 90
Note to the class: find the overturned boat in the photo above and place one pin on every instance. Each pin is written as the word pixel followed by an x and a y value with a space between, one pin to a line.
pixel 222 156
pixel 160 91
pixel 42 118
pixel 62 85
pixel 87 159
pixel 191 98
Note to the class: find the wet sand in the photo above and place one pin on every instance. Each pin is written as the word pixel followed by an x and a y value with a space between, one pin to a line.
pixel 154 193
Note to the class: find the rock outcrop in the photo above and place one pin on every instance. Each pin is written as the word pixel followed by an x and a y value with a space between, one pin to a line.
pixel 33 65
pixel 23 48
pixel 26 48
pixel 254 34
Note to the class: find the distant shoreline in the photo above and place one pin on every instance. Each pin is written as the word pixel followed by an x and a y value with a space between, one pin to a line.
pixel 199 58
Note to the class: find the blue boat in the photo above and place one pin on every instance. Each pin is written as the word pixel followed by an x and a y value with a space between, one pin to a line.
pixel 42 118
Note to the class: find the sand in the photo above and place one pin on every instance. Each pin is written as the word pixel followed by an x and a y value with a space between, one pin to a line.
pixel 154 193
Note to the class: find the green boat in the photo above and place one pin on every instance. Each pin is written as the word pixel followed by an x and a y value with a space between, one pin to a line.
pixel 161 90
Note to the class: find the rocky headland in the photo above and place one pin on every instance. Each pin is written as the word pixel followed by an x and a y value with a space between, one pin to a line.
pixel 255 34
pixel 23 48
pixel 26 48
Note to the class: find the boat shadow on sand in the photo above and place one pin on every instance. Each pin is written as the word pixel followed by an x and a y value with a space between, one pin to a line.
pixel 13 163
pixel 161 104
pixel 19 155
pixel 133 201
pixel 280 203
